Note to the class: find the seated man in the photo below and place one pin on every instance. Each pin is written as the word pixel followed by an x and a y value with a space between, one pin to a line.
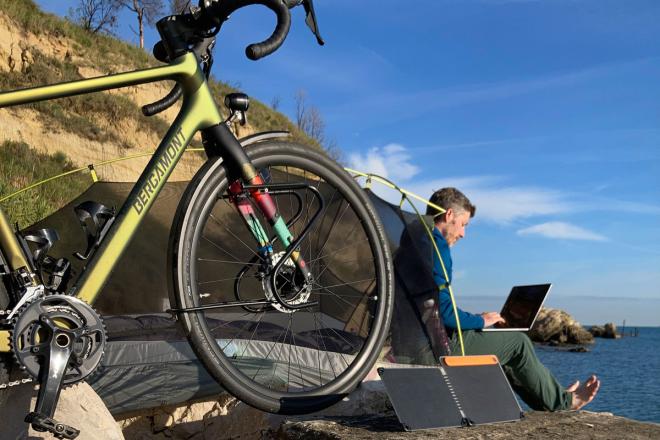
pixel 528 377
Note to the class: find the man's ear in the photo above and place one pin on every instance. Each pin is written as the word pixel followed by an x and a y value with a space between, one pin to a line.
pixel 449 215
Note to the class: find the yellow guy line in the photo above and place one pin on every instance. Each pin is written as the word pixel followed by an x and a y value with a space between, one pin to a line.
pixel 393 186
pixel 90 168
pixel 428 231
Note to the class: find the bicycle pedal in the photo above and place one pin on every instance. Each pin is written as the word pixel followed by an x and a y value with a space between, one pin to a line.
pixel 45 424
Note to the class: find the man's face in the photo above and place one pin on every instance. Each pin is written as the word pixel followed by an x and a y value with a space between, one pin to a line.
pixel 453 228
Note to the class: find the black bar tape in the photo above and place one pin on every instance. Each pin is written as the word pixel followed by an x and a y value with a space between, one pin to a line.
pixel 164 103
pixel 216 12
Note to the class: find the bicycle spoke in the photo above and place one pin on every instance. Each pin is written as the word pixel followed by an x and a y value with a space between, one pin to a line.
pixel 237 238
pixel 352 245
pixel 342 355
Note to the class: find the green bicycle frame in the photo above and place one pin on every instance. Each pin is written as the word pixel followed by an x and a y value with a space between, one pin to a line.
pixel 199 111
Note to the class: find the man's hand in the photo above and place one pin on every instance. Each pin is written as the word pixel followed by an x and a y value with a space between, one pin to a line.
pixel 492 318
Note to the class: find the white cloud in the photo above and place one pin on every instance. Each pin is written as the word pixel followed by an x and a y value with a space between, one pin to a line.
pixel 565 231
pixel 391 161
pixel 495 202
pixel 508 204
pixel 498 203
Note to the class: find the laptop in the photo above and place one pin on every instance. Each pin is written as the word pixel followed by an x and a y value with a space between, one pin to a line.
pixel 521 308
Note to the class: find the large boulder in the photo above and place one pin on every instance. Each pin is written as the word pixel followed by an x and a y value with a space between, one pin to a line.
pixel 227 418
pixel 79 406
pixel 555 326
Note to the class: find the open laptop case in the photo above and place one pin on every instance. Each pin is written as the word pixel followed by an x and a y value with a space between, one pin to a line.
pixel 522 307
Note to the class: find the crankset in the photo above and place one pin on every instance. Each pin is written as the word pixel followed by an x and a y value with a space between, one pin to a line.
pixel 59 340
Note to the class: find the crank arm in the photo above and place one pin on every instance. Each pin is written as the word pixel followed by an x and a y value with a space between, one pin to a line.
pixel 51 375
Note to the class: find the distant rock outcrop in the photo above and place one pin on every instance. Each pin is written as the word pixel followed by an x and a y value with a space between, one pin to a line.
pixel 606 331
pixel 556 327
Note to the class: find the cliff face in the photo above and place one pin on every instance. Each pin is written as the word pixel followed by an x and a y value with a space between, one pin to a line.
pixel 30 59
pixel 38 49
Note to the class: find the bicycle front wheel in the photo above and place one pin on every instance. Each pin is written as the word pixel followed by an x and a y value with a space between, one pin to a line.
pixel 279 359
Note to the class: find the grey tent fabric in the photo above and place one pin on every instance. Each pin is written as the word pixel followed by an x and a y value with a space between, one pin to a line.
pixel 418 334
pixel 148 362
pixel 138 284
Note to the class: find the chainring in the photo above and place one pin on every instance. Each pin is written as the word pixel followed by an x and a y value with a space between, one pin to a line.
pixel 75 321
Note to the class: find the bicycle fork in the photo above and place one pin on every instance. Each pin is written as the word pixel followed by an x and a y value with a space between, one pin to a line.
pixel 250 185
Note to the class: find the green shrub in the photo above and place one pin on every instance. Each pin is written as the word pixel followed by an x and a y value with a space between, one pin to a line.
pixel 21 166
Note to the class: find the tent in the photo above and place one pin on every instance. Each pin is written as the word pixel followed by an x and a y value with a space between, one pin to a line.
pixel 148 361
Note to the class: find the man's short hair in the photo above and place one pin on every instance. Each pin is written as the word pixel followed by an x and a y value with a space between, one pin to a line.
pixel 450 198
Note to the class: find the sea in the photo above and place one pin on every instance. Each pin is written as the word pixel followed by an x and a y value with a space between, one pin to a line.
pixel 629 370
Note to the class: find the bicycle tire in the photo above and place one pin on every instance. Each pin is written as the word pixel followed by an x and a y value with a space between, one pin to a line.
pixel 197 231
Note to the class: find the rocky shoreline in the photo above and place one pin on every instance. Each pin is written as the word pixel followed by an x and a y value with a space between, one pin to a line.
pixel 576 425
pixel 366 414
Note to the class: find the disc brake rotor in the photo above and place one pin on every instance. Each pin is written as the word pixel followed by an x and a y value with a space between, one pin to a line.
pixel 291 285
pixel 62 320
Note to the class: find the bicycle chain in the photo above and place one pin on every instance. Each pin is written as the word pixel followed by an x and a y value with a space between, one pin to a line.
pixel 4 386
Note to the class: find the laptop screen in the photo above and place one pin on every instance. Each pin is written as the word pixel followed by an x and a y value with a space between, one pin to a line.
pixel 523 304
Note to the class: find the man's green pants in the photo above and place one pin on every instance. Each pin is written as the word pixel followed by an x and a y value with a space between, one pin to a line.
pixel 528 377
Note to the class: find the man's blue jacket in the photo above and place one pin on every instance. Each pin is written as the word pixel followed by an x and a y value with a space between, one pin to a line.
pixel 468 320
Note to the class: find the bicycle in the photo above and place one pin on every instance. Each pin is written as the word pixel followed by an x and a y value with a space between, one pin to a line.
pixel 312 275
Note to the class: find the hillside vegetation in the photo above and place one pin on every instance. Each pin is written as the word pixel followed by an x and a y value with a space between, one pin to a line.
pixel 47 138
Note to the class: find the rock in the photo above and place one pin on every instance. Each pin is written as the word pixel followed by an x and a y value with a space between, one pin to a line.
pixel 610 331
pixel 12 58
pixel 79 406
pixel 366 414
pixel 222 418
pixel 576 425
pixel 548 323
pixel 26 59
pixel 228 418
pixel 606 331
pixel 555 326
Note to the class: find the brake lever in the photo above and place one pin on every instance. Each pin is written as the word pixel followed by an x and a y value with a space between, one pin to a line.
pixel 311 22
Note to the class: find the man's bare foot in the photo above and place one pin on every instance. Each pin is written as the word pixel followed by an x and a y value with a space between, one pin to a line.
pixel 573 387
pixel 583 394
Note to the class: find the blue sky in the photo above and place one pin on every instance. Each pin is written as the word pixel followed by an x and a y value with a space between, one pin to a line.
pixel 545 113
